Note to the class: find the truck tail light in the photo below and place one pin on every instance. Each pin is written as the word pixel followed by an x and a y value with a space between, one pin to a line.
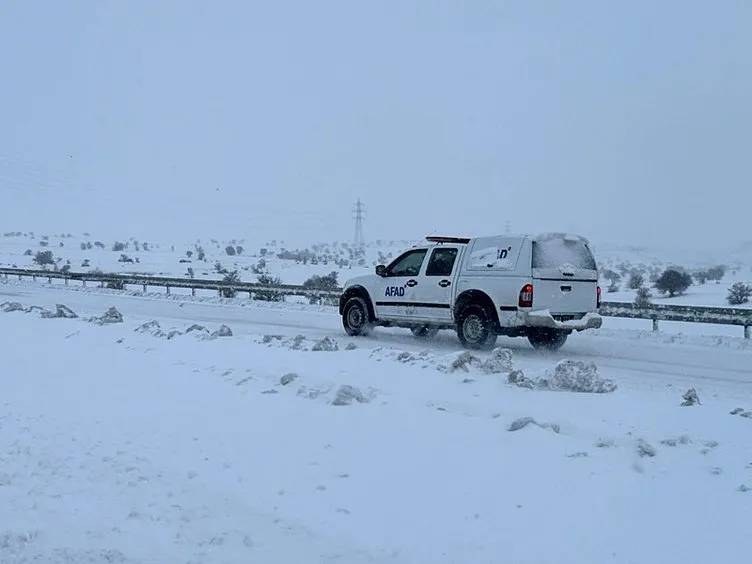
pixel 526 296
pixel 598 296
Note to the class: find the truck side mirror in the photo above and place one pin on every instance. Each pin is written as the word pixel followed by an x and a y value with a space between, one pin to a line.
pixel 381 270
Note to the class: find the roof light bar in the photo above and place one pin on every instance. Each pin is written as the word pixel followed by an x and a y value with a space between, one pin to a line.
pixel 438 239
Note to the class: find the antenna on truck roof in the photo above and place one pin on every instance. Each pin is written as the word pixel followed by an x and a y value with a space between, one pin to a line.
pixel 437 239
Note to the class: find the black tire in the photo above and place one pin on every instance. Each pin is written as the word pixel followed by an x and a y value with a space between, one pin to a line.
pixel 424 332
pixel 355 318
pixel 547 339
pixel 475 328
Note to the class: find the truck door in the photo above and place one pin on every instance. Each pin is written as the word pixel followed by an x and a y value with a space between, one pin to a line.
pixel 397 288
pixel 433 294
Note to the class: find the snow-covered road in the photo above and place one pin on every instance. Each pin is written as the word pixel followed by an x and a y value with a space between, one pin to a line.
pixel 119 446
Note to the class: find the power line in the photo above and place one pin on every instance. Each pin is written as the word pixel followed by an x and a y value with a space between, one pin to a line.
pixel 359 214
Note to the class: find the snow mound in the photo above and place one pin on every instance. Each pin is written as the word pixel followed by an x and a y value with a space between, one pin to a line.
pixel 567 376
pixel 61 312
pixel 327 344
pixel 347 394
pixel 518 378
pixel 645 449
pixel 464 361
pixel 579 376
pixel 151 327
pixel 523 422
pixel 297 343
pixel 690 398
pixel 288 378
pixel 500 362
pixel 223 331
pixel 112 315
pixel 9 307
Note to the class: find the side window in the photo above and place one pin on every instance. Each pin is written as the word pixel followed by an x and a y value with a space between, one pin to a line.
pixel 408 264
pixel 442 262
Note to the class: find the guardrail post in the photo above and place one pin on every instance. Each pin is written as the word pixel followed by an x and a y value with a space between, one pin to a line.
pixel 747 330
pixel 101 284
pixel 33 278
pixel 219 291
pixel 49 280
pixel 655 324
pixel 193 292
pixel 66 280
pixel 250 295
pixel 84 282
pixel 168 289
pixel 144 288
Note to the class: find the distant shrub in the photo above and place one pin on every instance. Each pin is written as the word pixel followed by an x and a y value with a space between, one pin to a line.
pixel 717 273
pixel 328 282
pixel 701 276
pixel 44 258
pixel 239 250
pixel 636 280
pixel 119 247
pixel 673 282
pixel 189 254
pixel 739 293
pixel 200 254
pixel 83 246
pixel 271 282
pixel 230 250
pixel 642 298
pixel 230 278
pixel 125 258
pixel 99 244
pixel 43 243
pixel 219 269
pixel 28 253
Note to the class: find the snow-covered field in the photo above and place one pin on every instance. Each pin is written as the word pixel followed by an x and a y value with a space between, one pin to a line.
pixel 118 445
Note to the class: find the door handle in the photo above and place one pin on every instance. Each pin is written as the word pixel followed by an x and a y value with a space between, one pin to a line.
pixel 411 283
pixel 445 283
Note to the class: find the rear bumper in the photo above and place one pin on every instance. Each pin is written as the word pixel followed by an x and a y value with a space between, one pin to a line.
pixel 543 319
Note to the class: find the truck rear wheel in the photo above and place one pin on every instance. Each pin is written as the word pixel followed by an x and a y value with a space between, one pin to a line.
pixel 355 317
pixel 547 339
pixel 475 328
pixel 424 332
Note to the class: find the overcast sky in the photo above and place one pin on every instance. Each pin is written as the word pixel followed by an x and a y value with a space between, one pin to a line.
pixel 624 121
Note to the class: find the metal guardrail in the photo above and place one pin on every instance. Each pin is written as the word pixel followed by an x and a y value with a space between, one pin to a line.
pixel 123 280
pixel 655 312
pixel 687 314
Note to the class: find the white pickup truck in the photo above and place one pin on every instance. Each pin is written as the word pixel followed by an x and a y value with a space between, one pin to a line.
pixel 540 287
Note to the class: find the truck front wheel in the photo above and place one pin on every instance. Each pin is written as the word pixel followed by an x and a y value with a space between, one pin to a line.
pixel 547 339
pixel 355 317
pixel 475 328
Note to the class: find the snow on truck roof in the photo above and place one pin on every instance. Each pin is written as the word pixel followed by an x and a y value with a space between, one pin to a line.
pixel 569 237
